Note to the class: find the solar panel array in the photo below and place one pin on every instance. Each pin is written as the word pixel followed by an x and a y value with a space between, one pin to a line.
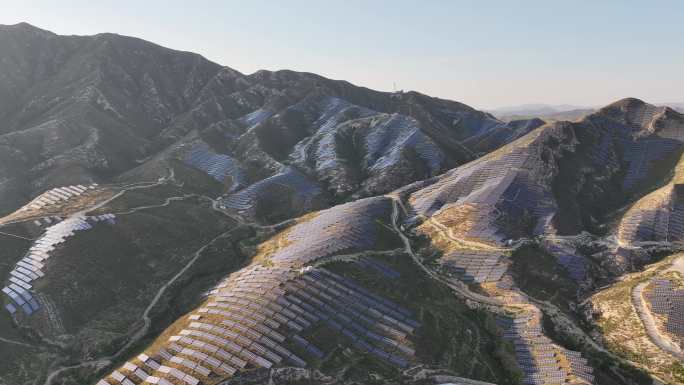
pixel 498 135
pixel 246 199
pixel 643 137
pixel 667 300
pixel 386 271
pixel 57 196
pixel 574 264
pixel 645 225
pixel 260 316
pixel 327 114
pixel 385 143
pixel 475 266
pixel 643 154
pixel 482 200
pixel 676 222
pixel 255 117
pixel 603 154
pixel 218 166
pixel 31 267
pixel 657 217
pixel 382 138
pixel 481 181
pixel 478 194
pixel 46 221
pixel 341 229
pixel 542 361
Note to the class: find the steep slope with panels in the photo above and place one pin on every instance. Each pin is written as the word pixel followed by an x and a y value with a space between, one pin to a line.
pixel 277 197
pixel 354 148
pixel 474 215
pixel 543 361
pixel 256 316
pixel 553 180
pixel 31 267
pixel 369 148
pixel 95 262
pixel 657 217
pixel 513 183
pixel 559 180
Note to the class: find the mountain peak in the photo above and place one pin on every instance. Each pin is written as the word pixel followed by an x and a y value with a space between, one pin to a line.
pixel 634 113
pixel 628 103
pixel 25 27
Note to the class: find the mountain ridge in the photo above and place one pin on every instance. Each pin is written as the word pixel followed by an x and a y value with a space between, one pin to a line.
pixel 101 87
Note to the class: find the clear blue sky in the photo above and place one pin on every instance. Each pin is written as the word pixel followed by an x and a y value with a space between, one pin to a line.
pixel 483 53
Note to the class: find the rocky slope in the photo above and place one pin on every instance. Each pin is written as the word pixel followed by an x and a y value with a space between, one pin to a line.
pixel 78 109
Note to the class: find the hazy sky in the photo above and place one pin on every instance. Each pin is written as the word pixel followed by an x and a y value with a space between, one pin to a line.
pixel 483 53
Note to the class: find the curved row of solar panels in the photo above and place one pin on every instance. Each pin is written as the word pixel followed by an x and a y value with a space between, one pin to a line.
pixel 218 166
pixel 542 361
pixel 247 198
pixel 31 267
pixel 668 300
pixel 270 312
pixel 57 195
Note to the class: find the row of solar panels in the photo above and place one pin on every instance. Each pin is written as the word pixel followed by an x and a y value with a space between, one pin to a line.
pixel 642 156
pixel 56 195
pixel 30 267
pixel 541 360
pixel 351 225
pixel 248 318
pixel 666 299
pixel 218 166
pixel 383 269
pixel 297 182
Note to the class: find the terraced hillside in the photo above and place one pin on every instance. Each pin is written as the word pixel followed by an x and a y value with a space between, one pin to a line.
pixel 171 221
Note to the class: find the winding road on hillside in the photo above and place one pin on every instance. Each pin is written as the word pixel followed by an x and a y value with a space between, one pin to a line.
pixel 557 316
pixel 461 291
pixel 448 232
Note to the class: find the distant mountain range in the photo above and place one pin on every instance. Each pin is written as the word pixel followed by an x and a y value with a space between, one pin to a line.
pixel 550 112
pixel 169 220
pixel 538 108
pixel 677 106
